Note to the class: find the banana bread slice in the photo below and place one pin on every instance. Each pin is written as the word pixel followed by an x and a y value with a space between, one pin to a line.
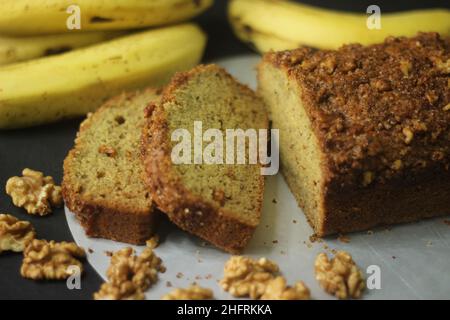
pixel 102 181
pixel 364 131
pixel 220 203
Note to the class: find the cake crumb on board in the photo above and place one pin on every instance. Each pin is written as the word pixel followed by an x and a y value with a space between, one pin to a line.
pixel 343 238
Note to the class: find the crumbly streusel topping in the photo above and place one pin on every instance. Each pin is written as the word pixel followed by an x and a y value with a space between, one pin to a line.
pixel 375 106
pixel 259 279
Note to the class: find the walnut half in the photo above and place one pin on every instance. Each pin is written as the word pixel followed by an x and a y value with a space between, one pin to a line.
pixel 192 293
pixel 50 260
pixel 130 275
pixel 339 276
pixel 34 192
pixel 244 276
pixel 259 279
pixel 14 234
pixel 277 289
pixel 124 291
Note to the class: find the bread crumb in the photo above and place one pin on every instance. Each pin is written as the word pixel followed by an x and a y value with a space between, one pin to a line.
pixel 108 151
pixel 153 242
pixel 275 241
pixel 314 238
pixel 294 221
pixel 179 275
pixel 343 238
pixel 274 201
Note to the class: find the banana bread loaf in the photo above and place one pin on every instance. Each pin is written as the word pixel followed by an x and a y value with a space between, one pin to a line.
pixel 102 181
pixel 220 203
pixel 364 131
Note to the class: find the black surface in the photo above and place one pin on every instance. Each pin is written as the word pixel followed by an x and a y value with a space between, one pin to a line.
pixel 44 148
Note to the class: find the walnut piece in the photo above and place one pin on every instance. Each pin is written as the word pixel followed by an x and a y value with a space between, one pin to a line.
pixel 443 66
pixel 109 151
pixel 278 290
pixel 124 291
pixel 409 135
pixel 34 192
pixel 14 234
pixel 340 275
pixel 50 260
pixel 244 276
pixel 130 275
pixel 192 293
pixel 405 67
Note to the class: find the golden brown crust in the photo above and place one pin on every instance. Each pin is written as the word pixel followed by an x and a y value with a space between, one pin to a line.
pixel 188 211
pixel 103 219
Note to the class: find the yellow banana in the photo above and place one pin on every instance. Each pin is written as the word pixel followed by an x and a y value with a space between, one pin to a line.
pixel 31 17
pixel 18 49
pixel 74 83
pixel 328 29
pixel 262 42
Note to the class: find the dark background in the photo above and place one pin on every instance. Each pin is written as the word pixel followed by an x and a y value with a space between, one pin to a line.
pixel 44 148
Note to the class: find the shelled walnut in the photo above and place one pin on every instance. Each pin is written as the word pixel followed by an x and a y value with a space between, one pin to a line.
pixel 244 276
pixel 259 279
pixel 339 276
pixel 50 260
pixel 277 289
pixel 123 291
pixel 14 234
pixel 34 192
pixel 192 293
pixel 130 275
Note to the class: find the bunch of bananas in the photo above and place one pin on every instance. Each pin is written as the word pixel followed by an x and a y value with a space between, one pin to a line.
pixel 282 25
pixel 49 72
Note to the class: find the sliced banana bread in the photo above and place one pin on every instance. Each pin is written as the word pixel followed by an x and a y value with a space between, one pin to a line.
pixel 220 203
pixel 102 181
pixel 364 131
